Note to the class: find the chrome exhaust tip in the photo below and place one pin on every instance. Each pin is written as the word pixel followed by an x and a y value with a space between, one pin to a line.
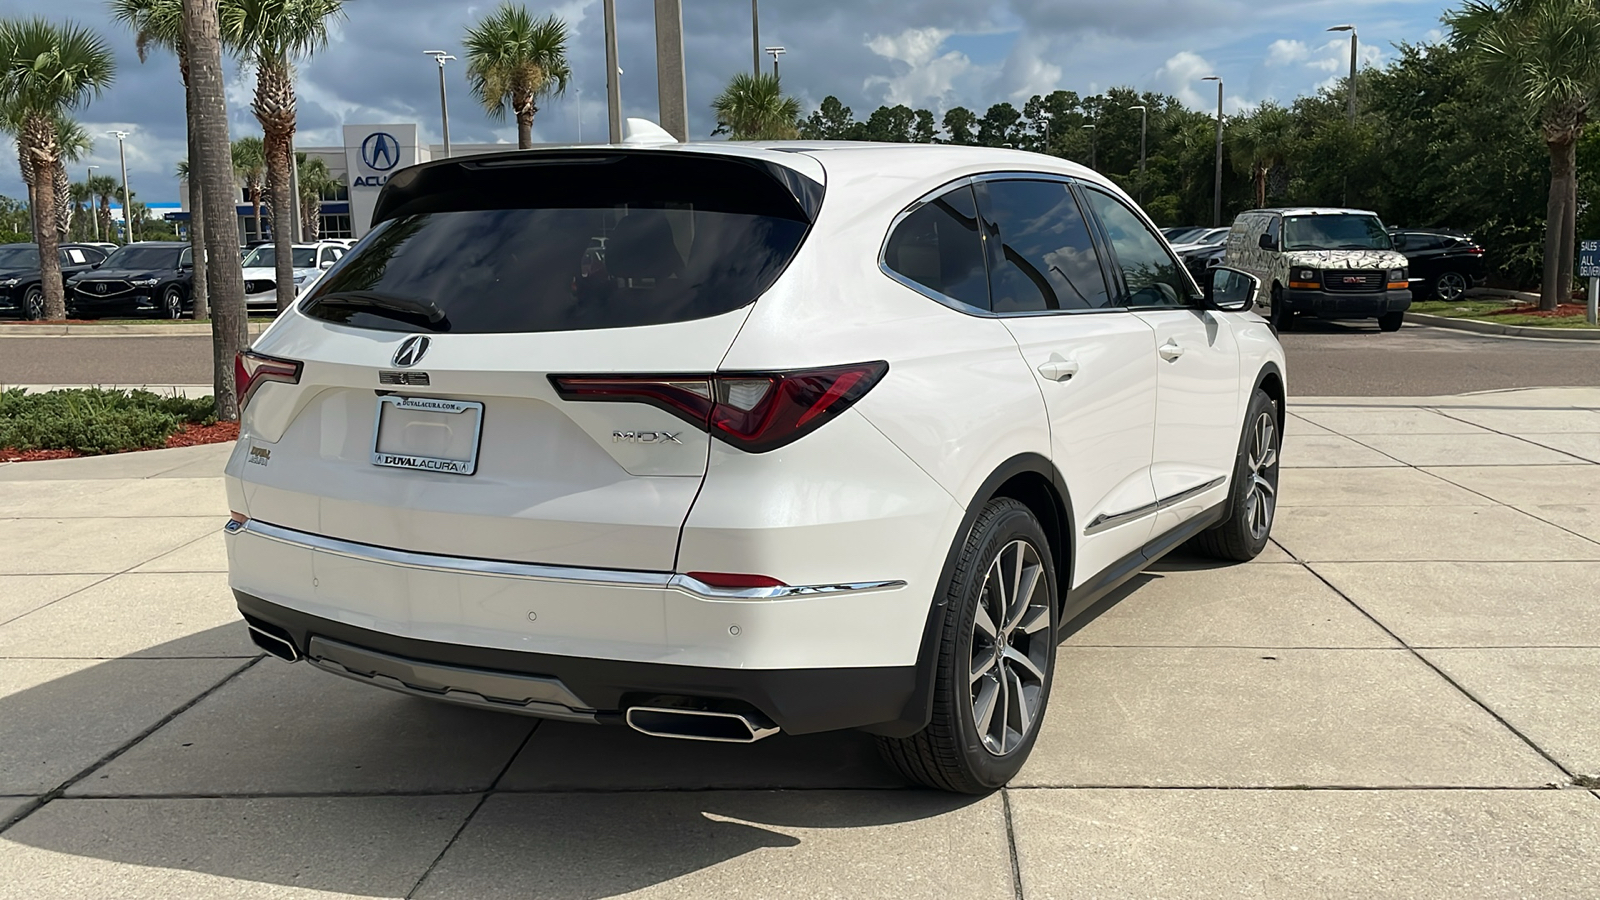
pixel 277 645
pixel 699 724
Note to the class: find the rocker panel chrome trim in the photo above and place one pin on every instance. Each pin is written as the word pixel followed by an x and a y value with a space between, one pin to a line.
pixel 1103 522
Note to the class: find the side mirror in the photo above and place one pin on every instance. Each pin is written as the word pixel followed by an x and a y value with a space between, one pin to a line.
pixel 1267 242
pixel 1231 290
pixel 325 264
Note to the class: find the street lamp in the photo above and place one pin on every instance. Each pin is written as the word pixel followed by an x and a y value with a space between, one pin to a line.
pixel 1216 202
pixel 1144 127
pixel 579 92
pixel 127 207
pixel 94 214
pixel 1046 115
pixel 776 52
pixel 1353 42
pixel 755 37
pixel 441 57
pixel 1090 128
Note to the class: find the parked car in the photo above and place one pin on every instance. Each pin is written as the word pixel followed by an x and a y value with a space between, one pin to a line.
pixel 261 273
pixel 1204 239
pixel 22 288
pixel 1198 262
pixel 1324 262
pixel 1444 264
pixel 803 458
pixel 105 246
pixel 142 278
pixel 1180 232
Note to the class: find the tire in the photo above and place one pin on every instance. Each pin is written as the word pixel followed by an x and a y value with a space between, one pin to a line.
pixel 33 303
pixel 1253 497
pixel 955 752
pixel 1281 318
pixel 1450 286
pixel 1391 321
pixel 172 303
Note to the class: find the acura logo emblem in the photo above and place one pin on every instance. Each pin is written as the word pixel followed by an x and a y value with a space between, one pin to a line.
pixel 411 351
pixel 100 288
pixel 380 151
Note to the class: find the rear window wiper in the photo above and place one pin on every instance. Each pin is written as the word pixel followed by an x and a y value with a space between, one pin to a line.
pixel 379 303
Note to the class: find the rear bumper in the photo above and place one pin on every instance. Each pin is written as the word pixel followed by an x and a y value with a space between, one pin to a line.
pixel 1333 305
pixel 799 701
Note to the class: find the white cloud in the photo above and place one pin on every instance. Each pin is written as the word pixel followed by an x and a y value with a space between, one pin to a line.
pixel 1028 71
pixel 1284 52
pixel 928 76
pixel 1181 75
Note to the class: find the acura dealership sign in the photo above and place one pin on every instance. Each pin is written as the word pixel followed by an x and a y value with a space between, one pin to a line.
pixel 372 153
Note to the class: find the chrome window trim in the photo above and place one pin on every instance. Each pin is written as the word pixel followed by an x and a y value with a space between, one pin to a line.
pixel 575 575
pixel 1105 522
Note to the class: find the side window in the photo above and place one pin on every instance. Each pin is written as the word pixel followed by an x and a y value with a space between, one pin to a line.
pixel 329 255
pixel 1152 276
pixel 938 246
pixel 186 258
pixel 1274 227
pixel 1043 256
pixel 76 257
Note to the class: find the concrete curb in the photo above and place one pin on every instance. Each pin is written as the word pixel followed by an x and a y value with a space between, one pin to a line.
pixel 116 330
pixel 1575 334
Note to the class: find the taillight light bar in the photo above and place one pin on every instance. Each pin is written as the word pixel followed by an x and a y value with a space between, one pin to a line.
pixel 753 411
pixel 251 369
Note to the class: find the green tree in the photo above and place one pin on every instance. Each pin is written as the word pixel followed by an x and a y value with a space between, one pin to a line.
pixel 47 70
pixel 1001 126
pixel 1547 53
pixel 832 121
pixel 753 108
pixel 961 126
pixel 104 187
pixel 250 166
pixel 924 130
pixel 72 142
pixel 316 184
pixel 513 61
pixel 272 34
pixel 1262 142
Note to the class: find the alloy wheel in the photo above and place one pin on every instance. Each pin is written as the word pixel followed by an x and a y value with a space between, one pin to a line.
pixel 33 304
pixel 1261 462
pixel 1450 286
pixel 1010 648
pixel 172 305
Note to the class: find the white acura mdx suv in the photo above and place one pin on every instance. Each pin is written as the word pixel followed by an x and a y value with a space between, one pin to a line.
pixel 720 440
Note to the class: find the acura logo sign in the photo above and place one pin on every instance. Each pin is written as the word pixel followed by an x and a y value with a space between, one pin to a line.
pixel 380 151
pixel 411 351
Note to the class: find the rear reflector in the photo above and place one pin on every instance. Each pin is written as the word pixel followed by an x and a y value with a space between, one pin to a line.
pixel 753 411
pixel 251 369
pixel 734 580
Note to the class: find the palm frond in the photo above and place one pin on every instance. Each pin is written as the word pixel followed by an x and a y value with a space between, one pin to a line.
pixel 510 51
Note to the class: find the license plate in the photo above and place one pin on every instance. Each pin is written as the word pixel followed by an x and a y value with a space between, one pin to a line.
pixel 427 433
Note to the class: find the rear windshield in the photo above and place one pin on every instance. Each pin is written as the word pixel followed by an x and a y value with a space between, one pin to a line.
pixel 534 245
pixel 1335 232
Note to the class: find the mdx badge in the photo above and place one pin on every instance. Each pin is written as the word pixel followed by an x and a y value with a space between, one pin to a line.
pixel 645 437
pixel 411 351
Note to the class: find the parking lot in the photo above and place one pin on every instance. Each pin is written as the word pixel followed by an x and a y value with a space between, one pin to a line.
pixel 1395 700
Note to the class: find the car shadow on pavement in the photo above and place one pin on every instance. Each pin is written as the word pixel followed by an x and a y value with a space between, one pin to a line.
pixel 177 759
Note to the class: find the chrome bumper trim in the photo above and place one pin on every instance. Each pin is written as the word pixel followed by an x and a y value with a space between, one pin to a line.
pixel 624 578
pixel 1104 522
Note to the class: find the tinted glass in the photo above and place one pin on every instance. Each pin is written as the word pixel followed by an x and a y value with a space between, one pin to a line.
pixel 266 256
pixel 186 258
pixel 1423 242
pixel 134 256
pixel 19 257
pixel 1334 232
pixel 938 247
pixel 1152 276
pixel 1274 226
pixel 1045 257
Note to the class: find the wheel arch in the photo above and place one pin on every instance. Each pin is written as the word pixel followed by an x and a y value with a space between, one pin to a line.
pixel 1270 379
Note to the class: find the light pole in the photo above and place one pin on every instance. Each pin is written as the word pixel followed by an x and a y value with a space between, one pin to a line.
pixel 1144 128
pixel 94 214
pixel 1216 202
pixel 1046 115
pixel 1090 128
pixel 755 37
pixel 441 57
pixel 579 92
pixel 613 74
pixel 1353 43
pixel 127 208
pixel 775 52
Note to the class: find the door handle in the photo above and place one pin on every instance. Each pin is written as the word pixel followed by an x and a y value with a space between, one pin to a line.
pixel 1170 350
pixel 1057 369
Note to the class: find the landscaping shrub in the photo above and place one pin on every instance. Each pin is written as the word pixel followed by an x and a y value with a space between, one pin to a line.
pixel 96 421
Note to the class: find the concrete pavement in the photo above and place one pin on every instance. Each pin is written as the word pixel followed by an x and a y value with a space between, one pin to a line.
pixel 1393 701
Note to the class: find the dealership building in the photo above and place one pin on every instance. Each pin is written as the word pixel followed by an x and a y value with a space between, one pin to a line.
pixel 370 153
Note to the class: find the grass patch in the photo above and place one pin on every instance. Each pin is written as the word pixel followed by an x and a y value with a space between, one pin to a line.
pixel 93 421
pixel 1501 312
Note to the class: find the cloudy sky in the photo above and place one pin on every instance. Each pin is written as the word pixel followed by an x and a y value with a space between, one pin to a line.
pixel 932 53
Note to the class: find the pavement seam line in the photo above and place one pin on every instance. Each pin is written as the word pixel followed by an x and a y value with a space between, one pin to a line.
pixel 1524 438
pixel 1011 843
pixel 1448 680
pixel 473 813
pixel 128 570
pixel 63 787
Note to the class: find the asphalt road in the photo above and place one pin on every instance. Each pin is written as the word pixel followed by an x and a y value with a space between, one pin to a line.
pixel 1325 359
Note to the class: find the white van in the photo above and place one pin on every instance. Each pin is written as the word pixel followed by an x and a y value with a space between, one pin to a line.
pixel 1322 262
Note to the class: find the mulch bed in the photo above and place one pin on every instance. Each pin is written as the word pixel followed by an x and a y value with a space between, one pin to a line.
pixel 1561 311
pixel 190 435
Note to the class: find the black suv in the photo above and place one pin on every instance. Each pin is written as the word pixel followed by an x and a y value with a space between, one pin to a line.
pixel 22 290
pixel 1444 263
pixel 143 278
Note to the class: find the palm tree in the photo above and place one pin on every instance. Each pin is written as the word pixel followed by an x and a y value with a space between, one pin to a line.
pixel 72 142
pixel 1261 143
pixel 45 70
pixel 272 34
pixel 103 187
pixel 82 201
pixel 1546 53
pixel 315 181
pixel 753 108
pixel 513 61
pixel 159 23
pixel 250 167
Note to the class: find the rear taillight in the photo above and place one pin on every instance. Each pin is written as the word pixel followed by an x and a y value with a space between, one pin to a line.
pixel 1474 251
pixel 251 369
pixel 754 411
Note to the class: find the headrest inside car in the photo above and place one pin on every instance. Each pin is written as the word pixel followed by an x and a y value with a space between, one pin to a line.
pixel 642 247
